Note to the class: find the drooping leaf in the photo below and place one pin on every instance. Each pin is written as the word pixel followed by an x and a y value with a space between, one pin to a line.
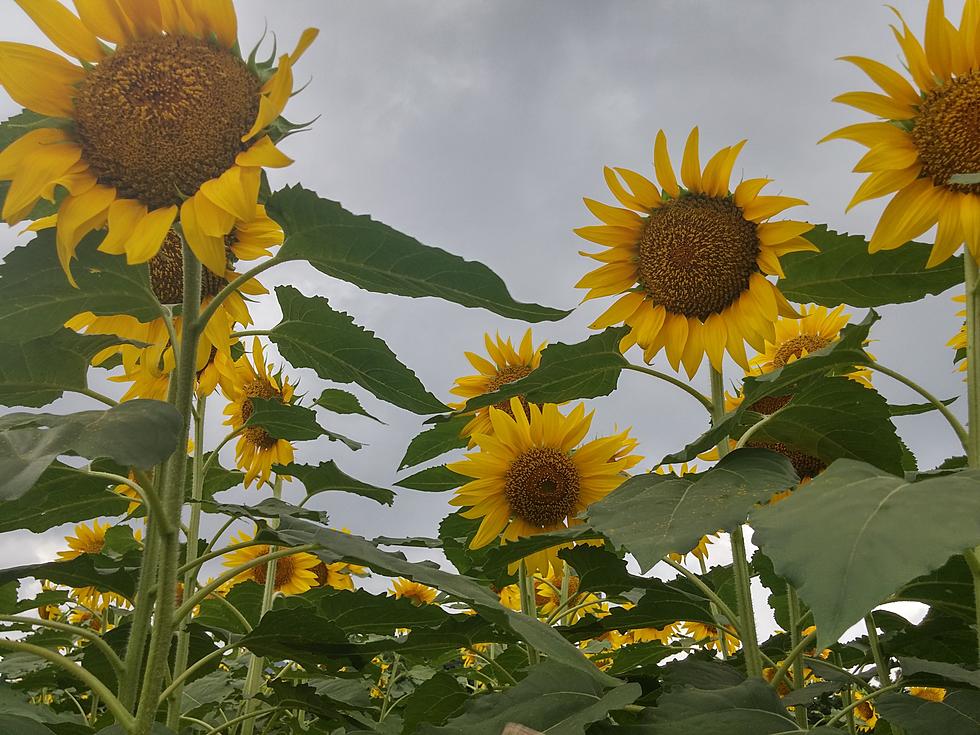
pixel 434 702
pixel 585 369
pixel 914 409
pixel 843 272
pixel 957 714
pixel 434 479
pixel 264 509
pixel 828 538
pixel 342 402
pixel 938 637
pixel 138 433
pixel 500 557
pixel 701 674
pixel 416 542
pixel 38 299
pixel 553 699
pixel 431 443
pixel 17 704
pixel 327 476
pixel 288 421
pixel 378 258
pixel 652 515
pixel 314 335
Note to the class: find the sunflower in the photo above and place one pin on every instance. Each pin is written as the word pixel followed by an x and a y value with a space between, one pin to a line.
pixel 256 450
pixel 691 264
pixel 925 134
pixel 91 540
pixel 647 635
pixel 933 694
pixel 417 594
pixel 294 573
pixel 547 595
pixel 866 713
pixel 167 124
pixel 529 478
pixel 708 636
pixel 508 365
pixel 958 341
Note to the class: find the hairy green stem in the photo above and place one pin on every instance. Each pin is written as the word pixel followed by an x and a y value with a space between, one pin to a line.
pixel 172 498
pixel 90 635
pixel 97 396
pixel 142 610
pixel 720 605
pixel 848 709
pixel 147 496
pixel 676 382
pixel 972 278
pixel 791 658
pixel 248 717
pixel 881 664
pixel 528 605
pixel 795 627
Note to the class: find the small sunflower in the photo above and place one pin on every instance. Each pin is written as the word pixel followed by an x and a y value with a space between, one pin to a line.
pixel 294 573
pixel 529 478
pixel 691 264
pixel 708 636
pixel 959 341
pixel 508 365
pixel 547 595
pixel 925 134
pixel 256 450
pixel 91 540
pixel 417 594
pixel 167 123
pixel 866 713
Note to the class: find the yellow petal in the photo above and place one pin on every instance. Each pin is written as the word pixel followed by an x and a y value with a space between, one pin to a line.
pixel 675 338
pixel 275 95
pixel 306 38
pixel 910 213
pixel 881 183
pixel 939 50
pixel 661 164
pixel 40 167
pixel 208 249
pixel 715 335
pixel 38 79
pixel 608 235
pixel 149 233
pixel 949 234
pixel 145 17
pixel 915 56
pixel 970 220
pixel 762 208
pixel 642 187
pixel 218 17
pixel 617 313
pixel 877 104
pixel 77 216
pixel 13 156
pixel 106 19
pixel 235 191
pixel 691 164
pixel 694 347
pixel 773 233
pixel 724 173
pixel 891 82
pixel 124 215
pixel 263 153
pixel 869 134
pixel 614 215
pixel 888 157
pixel 619 191
pixel 64 29
pixel 748 190
pixel 769 263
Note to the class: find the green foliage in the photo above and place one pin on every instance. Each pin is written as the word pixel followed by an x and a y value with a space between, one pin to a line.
pixel 434 479
pixel 327 477
pixel 340 401
pixel 957 714
pixel 374 256
pixel 434 702
pixel 443 437
pixel 829 536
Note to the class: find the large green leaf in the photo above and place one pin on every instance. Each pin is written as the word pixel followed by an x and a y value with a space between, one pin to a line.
pixel 38 299
pixel 949 589
pixel 843 272
pixel 88 570
pixel 377 258
pixel 314 335
pixel 434 702
pixel 340 401
pixel 434 479
pixel 957 714
pixel 22 726
pixel 911 665
pixel 264 509
pixel 443 437
pixel 339 546
pixel 139 433
pixel 552 699
pixel 829 537
pixel 288 421
pixel 567 372
pixel 38 372
pixel 61 495
pixel 652 515
pixel 327 476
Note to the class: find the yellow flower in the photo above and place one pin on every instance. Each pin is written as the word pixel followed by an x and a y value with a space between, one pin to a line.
pixel 256 450
pixel 708 636
pixel 645 635
pixel 700 550
pixel 924 135
pixel 90 540
pixel 418 594
pixel 294 573
pixel 168 123
pixel 933 694
pixel 508 365
pixel 510 597
pixel 691 264
pixel 958 342
pixel 547 593
pixel 529 478
pixel 336 575
pixel 865 713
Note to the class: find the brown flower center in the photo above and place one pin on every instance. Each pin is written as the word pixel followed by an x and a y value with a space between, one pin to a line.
pixel 797 347
pixel 542 486
pixel 806 465
pixel 697 254
pixel 167 273
pixel 947 132
pixel 162 115
pixel 509 374
pixel 256 435
pixel 285 569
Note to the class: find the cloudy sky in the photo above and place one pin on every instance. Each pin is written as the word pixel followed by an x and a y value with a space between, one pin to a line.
pixel 479 126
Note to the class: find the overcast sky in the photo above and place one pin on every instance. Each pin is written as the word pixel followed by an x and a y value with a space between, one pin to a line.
pixel 478 127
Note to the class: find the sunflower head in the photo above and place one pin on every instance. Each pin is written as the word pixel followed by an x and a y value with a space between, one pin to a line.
pixel 163 120
pixel 417 594
pixel 924 134
pixel 87 540
pixel 529 477
pixel 690 264
pixel 505 365
pixel 294 574
pixel 710 637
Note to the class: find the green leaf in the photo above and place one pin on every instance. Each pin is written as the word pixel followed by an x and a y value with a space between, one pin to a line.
pixel 38 299
pixel 553 699
pixel 61 495
pixel 138 433
pixel 434 701
pixel 245 596
pixel 501 556
pixel 377 258
pixel 88 570
pixel 957 714
pixel 264 509
pixel 829 537
pixel 948 589
pixel 417 542
pixel 38 372
pixel 914 409
pixel 434 480
pixel 327 476
pixel 22 726
pixel 937 637
pixel 911 665
pixel 843 272
pixel 354 549
pixel 652 515
pixel 340 401
pixel 288 421
pixel 16 704
pixel 443 437
pixel 314 335
pixel 585 369
pixel 701 674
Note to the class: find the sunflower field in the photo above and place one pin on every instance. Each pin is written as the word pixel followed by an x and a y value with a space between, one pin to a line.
pixel 809 575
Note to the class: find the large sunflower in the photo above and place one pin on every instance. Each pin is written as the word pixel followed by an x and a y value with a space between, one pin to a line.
pixel 91 540
pixel 167 123
pixel 926 134
pixel 256 450
pixel 530 478
pixel 691 263
pixel 508 365
pixel 294 573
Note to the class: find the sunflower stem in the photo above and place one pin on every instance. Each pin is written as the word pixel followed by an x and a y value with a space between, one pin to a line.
pixel 202 318
pixel 90 635
pixel 795 628
pixel 172 499
pixel 563 594
pixel 143 609
pixel 190 554
pixel 740 564
pixel 528 605
pixel 253 679
pixel 676 382
pixel 881 663
pixel 972 282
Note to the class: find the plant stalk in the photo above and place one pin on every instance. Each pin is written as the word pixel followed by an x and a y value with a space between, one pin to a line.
pixel 528 605
pixel 881 664
pixel 972 279
pixel 793 602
